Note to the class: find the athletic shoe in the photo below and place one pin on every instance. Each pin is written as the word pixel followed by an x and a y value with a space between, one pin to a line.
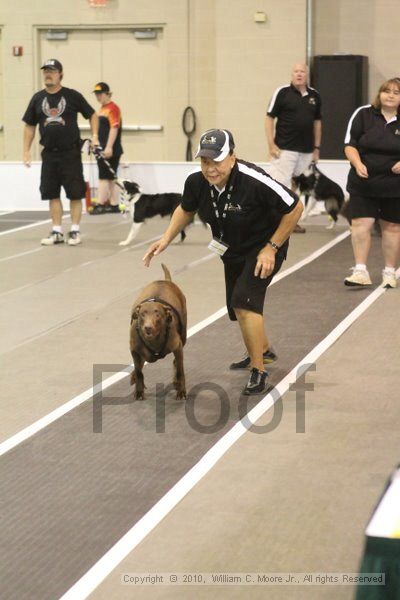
pixel 54 237
pixel 389 279
pixel 257 382
pixel 98 209
pixel 74 238
pixel 359 278
pixel 268 358
pixel 112 208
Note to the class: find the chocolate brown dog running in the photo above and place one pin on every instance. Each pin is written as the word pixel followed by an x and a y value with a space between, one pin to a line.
pixel 158 327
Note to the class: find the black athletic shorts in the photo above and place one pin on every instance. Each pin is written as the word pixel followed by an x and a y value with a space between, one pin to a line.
pixel 104 171
pixel 243 289
pixel 62 168
pixel 387 209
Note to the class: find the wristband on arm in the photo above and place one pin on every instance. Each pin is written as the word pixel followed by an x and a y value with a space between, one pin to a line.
pixel 275 246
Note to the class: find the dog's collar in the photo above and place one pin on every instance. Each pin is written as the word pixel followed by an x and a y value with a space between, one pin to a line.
pixel 161 353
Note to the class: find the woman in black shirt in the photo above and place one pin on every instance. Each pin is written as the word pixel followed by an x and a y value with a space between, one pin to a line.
pixel 372 145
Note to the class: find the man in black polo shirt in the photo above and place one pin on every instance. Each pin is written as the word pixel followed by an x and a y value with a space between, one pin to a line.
pixel 55 109
pixel 294 142
pixel 251 217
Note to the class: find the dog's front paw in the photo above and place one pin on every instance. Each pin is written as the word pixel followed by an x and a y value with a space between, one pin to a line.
pixel 181 395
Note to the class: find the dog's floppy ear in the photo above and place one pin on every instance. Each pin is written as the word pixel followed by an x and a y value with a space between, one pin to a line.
pixel 168 313
pixel 131 186
pixel 135 313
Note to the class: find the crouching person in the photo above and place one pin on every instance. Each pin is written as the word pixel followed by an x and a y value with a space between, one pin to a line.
pixel 251 218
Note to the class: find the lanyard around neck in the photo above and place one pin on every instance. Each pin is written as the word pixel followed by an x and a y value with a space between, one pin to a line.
pixel 220 216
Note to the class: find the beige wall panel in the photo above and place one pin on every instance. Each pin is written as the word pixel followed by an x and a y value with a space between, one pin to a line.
pixel 22 21
pixel 216 58
pixel 190 43
pixel 252 60
pixel 136 71
pixel 366 27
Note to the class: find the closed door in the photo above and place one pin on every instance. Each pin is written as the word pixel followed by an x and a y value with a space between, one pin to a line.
pixel 135 71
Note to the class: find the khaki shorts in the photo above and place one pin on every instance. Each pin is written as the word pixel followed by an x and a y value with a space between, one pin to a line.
pixel 288 165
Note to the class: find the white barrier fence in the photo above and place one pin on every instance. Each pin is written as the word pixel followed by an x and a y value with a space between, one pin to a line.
pixel 20 185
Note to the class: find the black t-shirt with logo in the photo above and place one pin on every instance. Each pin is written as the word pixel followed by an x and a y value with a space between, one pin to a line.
pixel 378 143
pixel 295 114
pixel 57 117
pixel 255 207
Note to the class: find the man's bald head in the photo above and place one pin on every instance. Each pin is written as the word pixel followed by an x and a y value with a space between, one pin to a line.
pixel 299 76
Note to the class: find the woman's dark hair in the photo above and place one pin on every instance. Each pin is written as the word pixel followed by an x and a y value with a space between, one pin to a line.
pixel 394 81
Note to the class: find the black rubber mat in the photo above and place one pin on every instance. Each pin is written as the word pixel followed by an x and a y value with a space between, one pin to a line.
pixel 69 494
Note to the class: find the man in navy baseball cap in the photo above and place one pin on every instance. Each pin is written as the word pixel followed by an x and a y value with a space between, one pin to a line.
pixel 215 144
pixel 251 217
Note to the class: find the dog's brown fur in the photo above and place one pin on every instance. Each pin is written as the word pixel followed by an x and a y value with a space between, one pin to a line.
pixel 149 331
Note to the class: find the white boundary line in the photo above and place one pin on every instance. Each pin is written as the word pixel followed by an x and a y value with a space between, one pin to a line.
pixel 100 570
pixel 26 227
pixel 21 254
pixel 35 427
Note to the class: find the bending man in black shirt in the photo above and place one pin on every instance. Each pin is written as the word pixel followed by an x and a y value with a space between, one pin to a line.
pixel 55 109
pixel 251 217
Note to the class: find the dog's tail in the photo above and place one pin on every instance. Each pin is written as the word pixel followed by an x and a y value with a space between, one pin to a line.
pixel 166 273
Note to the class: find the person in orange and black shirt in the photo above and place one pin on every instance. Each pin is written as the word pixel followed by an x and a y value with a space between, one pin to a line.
pixel 110 125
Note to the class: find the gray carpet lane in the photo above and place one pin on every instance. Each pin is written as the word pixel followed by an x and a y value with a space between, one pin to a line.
pixel 69 494
pixel 12 220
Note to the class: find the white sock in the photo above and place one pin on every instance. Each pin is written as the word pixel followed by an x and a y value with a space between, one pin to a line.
pixel 360 267
pixel 74 227
pixel 390 270
pixel 57 228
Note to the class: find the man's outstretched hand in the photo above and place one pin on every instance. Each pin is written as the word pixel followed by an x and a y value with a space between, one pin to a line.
pixel 154 250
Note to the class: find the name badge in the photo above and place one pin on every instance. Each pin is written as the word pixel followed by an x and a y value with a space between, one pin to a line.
pixel 218 246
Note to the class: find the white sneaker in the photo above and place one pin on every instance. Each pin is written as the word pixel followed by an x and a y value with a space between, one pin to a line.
pixel 54 237
pixel 74 238
pixel 359 278
pixel 389 279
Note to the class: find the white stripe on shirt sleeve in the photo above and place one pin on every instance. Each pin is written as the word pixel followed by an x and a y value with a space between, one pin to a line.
pixel 269 182
pixel 273 99
pixel 347 137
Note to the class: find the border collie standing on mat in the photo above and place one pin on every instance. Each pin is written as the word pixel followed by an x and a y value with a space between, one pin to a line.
pixel 317 186
pixel 141 206
pixel 144 206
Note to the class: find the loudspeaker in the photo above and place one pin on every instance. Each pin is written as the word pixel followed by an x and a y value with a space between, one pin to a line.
pixel 342 81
